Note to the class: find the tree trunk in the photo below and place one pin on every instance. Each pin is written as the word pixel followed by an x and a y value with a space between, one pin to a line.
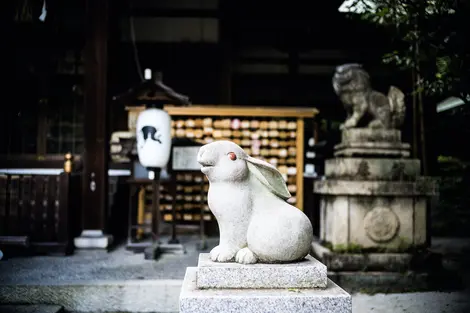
pixel 422 132
pixel 422 137
pixel 414 116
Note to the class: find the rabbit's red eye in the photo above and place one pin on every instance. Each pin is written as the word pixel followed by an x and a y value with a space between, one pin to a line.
pixel 232 156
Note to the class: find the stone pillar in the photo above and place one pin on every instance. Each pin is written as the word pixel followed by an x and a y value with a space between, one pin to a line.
pixel 373 204
pixel 299 287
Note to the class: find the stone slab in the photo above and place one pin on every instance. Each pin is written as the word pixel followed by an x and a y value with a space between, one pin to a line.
pixel 355 135
pixel 34 308
pixel 382 282
pixel 397 282
pixel 421 187
pixel 174 248
pixel 309 273
pixel 372 152
pixel 374 145
pixel 389 262
pixel 392 149
pixel 93 239
pixel 372 169
pixel 332 299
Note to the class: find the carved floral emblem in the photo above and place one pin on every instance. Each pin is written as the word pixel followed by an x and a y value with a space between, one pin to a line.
pixel 381 224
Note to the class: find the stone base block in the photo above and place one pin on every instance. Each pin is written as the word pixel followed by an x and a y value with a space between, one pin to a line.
pixel 373 169
pixel 173 248
pixel 360 135
pixel 332 299
pixel 382 282
pixel 422 186
pixel 157 249
pixel 388 216
pixel 370 149
pixel 397 282
pixel 309 273
pixel 93 239
pixel 387 272
pixel 372 142
pixel 390 262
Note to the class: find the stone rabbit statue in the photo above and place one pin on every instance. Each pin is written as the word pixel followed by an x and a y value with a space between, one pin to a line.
pixel 248 198
pixel 352 84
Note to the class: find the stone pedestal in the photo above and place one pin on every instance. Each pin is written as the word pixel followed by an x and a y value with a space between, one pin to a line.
pixel 283 288
pixel 93 239
pixel 373 203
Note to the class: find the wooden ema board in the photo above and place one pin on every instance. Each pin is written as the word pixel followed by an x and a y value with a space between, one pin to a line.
pixel 279 132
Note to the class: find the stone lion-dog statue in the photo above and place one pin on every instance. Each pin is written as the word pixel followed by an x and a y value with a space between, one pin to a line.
pixel 352 84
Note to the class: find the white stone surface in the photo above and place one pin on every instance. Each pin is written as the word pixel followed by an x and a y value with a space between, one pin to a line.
pixel 332 299
pixel 93 239
pixel 248 198
pixel 309 273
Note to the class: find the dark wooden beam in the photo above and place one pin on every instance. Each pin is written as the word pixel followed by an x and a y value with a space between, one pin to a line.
pixel 95 165
pixel 158 12
pixel 35 161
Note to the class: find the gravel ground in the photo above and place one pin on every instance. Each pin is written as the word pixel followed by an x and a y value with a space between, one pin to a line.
pixel 122 265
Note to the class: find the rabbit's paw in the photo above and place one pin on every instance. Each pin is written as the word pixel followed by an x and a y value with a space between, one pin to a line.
pixel 222 254
pixel 245 256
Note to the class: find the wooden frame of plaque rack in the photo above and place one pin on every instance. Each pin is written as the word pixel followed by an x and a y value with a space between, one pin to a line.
pixel 246 113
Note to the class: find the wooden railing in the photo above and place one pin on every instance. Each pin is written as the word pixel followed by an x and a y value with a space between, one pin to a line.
pixel 38 211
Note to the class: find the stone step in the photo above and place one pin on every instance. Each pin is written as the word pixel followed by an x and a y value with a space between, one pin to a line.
pixel 423 186
pixel 371 149
pixel 372 169
pixel 309 273
pixel 331 299
pixel 360 135
pixel 32 308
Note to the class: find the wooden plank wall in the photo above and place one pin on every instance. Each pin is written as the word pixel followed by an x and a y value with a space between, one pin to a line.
pixel 39 207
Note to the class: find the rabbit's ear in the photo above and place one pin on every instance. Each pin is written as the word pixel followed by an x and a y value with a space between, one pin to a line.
pixel 269 176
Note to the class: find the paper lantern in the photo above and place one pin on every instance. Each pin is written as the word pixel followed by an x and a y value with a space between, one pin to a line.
pixel 153 133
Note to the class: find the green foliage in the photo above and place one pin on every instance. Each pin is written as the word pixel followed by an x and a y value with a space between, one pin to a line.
pixel 451 216
pixel 429 36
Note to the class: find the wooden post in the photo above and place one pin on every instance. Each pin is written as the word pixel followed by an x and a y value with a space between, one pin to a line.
pixel 300 164
pixel 156 214
pixel 174 203
pixel 95 167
